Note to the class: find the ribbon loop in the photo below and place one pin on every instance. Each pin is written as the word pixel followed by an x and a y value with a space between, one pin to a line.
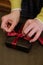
pixel 18 35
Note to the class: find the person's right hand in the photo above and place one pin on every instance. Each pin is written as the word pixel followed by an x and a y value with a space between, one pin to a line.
pixel 12 18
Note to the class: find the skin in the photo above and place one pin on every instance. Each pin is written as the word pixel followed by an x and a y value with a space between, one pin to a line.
pixel 31 27
pixel 12 18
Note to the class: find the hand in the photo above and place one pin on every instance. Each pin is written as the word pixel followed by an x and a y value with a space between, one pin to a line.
pixel 12 18
pixel 31 27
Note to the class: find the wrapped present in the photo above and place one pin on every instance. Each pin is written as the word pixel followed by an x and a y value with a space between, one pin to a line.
pixel 17 40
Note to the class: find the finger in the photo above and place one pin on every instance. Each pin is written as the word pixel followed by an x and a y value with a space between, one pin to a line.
pixel 12 26
pixel 5 29
pixel 36 36
pixel 26 24
pixel 30 27
pixel 3 25
pixel 32 32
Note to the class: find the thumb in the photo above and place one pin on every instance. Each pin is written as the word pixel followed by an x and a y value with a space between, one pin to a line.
pixel 12 26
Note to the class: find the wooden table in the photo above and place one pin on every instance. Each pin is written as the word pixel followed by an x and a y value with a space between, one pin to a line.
pixel 13 57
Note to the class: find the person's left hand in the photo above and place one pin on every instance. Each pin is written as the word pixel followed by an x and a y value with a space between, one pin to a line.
pixel 31 27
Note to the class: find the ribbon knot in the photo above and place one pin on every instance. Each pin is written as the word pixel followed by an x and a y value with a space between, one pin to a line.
pixel 18 35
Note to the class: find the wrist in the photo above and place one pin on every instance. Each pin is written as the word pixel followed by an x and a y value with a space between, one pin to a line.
pixel 16 9
pixel 16 13
pixel 40 22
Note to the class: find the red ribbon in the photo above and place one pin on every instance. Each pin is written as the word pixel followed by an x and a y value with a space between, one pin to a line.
pixel 41 40
pixel 18 35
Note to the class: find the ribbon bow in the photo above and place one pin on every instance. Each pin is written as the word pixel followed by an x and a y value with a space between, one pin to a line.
pixel 20 35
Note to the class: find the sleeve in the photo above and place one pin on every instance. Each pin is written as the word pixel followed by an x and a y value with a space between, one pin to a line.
pixel 40 16
pixel 15 4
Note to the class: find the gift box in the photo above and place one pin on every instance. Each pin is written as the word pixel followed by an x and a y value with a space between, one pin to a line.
pixel 16 40
pixel 20 44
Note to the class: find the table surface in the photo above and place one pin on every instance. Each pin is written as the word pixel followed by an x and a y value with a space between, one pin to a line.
pixel 13 57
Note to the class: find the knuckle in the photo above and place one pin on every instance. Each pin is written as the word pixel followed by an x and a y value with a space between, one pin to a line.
pixel 3 17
